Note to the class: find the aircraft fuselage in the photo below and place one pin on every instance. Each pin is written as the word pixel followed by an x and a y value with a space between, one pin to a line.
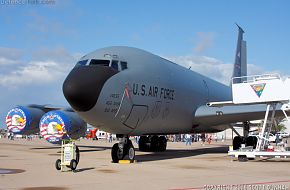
pixel 151 96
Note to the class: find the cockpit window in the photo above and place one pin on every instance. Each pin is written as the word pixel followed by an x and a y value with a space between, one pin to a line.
pixel 114 64
pixel 100 62
pixel 82 62
pixel 124 65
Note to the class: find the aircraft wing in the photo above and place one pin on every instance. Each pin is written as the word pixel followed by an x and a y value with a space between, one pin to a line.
pixel 48 107
pixel 213 116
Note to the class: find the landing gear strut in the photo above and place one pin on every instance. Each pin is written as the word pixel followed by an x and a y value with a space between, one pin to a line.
pixel 122 149
pixel 153 143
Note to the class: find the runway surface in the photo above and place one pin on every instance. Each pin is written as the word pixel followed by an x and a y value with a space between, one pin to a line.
pixel 29 165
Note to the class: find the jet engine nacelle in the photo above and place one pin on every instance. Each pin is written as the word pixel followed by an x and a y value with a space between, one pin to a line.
pixel 59 125
pixel 23 120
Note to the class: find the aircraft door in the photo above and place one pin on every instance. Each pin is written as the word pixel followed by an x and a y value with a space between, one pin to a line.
pixel 136 116
pixel 130 114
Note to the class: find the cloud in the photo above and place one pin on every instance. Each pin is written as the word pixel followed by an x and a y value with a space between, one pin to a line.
pixel 5 61
pixel 9 56
pixel 60 55
pixel 47 66
pixel 35 81
pixel 212 68
pixel 204 41
pixel 46 26
pixel 34 73
pixel 10 53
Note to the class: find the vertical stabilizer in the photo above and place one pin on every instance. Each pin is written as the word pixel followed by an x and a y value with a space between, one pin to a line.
pixel 240 66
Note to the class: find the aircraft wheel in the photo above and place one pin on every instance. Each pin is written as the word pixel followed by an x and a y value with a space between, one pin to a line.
pixel 116 153
pixel 162 141
pixel 252 141
pixel 154 143
pixel 242 158
pixel 237 142
pixel 73 164
pixel 131 152
pixel 77 154
pixel 143 141
pixel 57 164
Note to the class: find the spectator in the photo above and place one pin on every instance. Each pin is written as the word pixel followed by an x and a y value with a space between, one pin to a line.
pixel 110 138
pixel 137 139
pixel 209 139
pixel 188 139
pixel 202 138
pixel 174 138
pixel 277 139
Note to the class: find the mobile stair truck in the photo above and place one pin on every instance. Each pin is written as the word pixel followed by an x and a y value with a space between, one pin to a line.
pixel 271 90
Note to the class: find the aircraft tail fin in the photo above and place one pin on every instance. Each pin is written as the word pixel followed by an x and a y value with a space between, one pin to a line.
pixel 240 66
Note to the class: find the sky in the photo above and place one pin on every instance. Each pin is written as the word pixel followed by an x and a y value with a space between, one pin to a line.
pixel 41 40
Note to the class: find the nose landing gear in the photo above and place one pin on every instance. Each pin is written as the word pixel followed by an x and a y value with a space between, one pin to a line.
pixel 122 150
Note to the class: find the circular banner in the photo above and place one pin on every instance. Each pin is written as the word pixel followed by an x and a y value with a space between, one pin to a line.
pixel 16 120
pixel 52 127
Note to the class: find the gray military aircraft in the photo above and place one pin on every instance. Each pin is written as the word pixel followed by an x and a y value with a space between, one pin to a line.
pixel 128 91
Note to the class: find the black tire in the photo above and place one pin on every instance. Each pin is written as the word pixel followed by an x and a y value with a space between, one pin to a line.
pixel 131 153
pixel 252 141
pixel 73 164
pixel 154 143
pixel 116 153
pixel 242 158
pixel 77 154
pixel 143 141
pixel 237 142
pixel 162 143
pixel 58 164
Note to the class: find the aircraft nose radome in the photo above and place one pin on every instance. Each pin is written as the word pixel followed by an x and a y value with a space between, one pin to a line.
pixel 83 85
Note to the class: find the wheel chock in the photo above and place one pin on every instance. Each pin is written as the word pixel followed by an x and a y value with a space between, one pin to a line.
pixel 127 161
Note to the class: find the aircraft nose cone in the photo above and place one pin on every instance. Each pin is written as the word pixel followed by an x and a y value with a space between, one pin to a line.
pixel 83 85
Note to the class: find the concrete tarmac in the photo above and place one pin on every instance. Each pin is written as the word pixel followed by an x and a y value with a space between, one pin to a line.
pixel 29 165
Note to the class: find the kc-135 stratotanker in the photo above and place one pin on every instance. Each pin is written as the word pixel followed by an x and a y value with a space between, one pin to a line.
pixel 131 92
